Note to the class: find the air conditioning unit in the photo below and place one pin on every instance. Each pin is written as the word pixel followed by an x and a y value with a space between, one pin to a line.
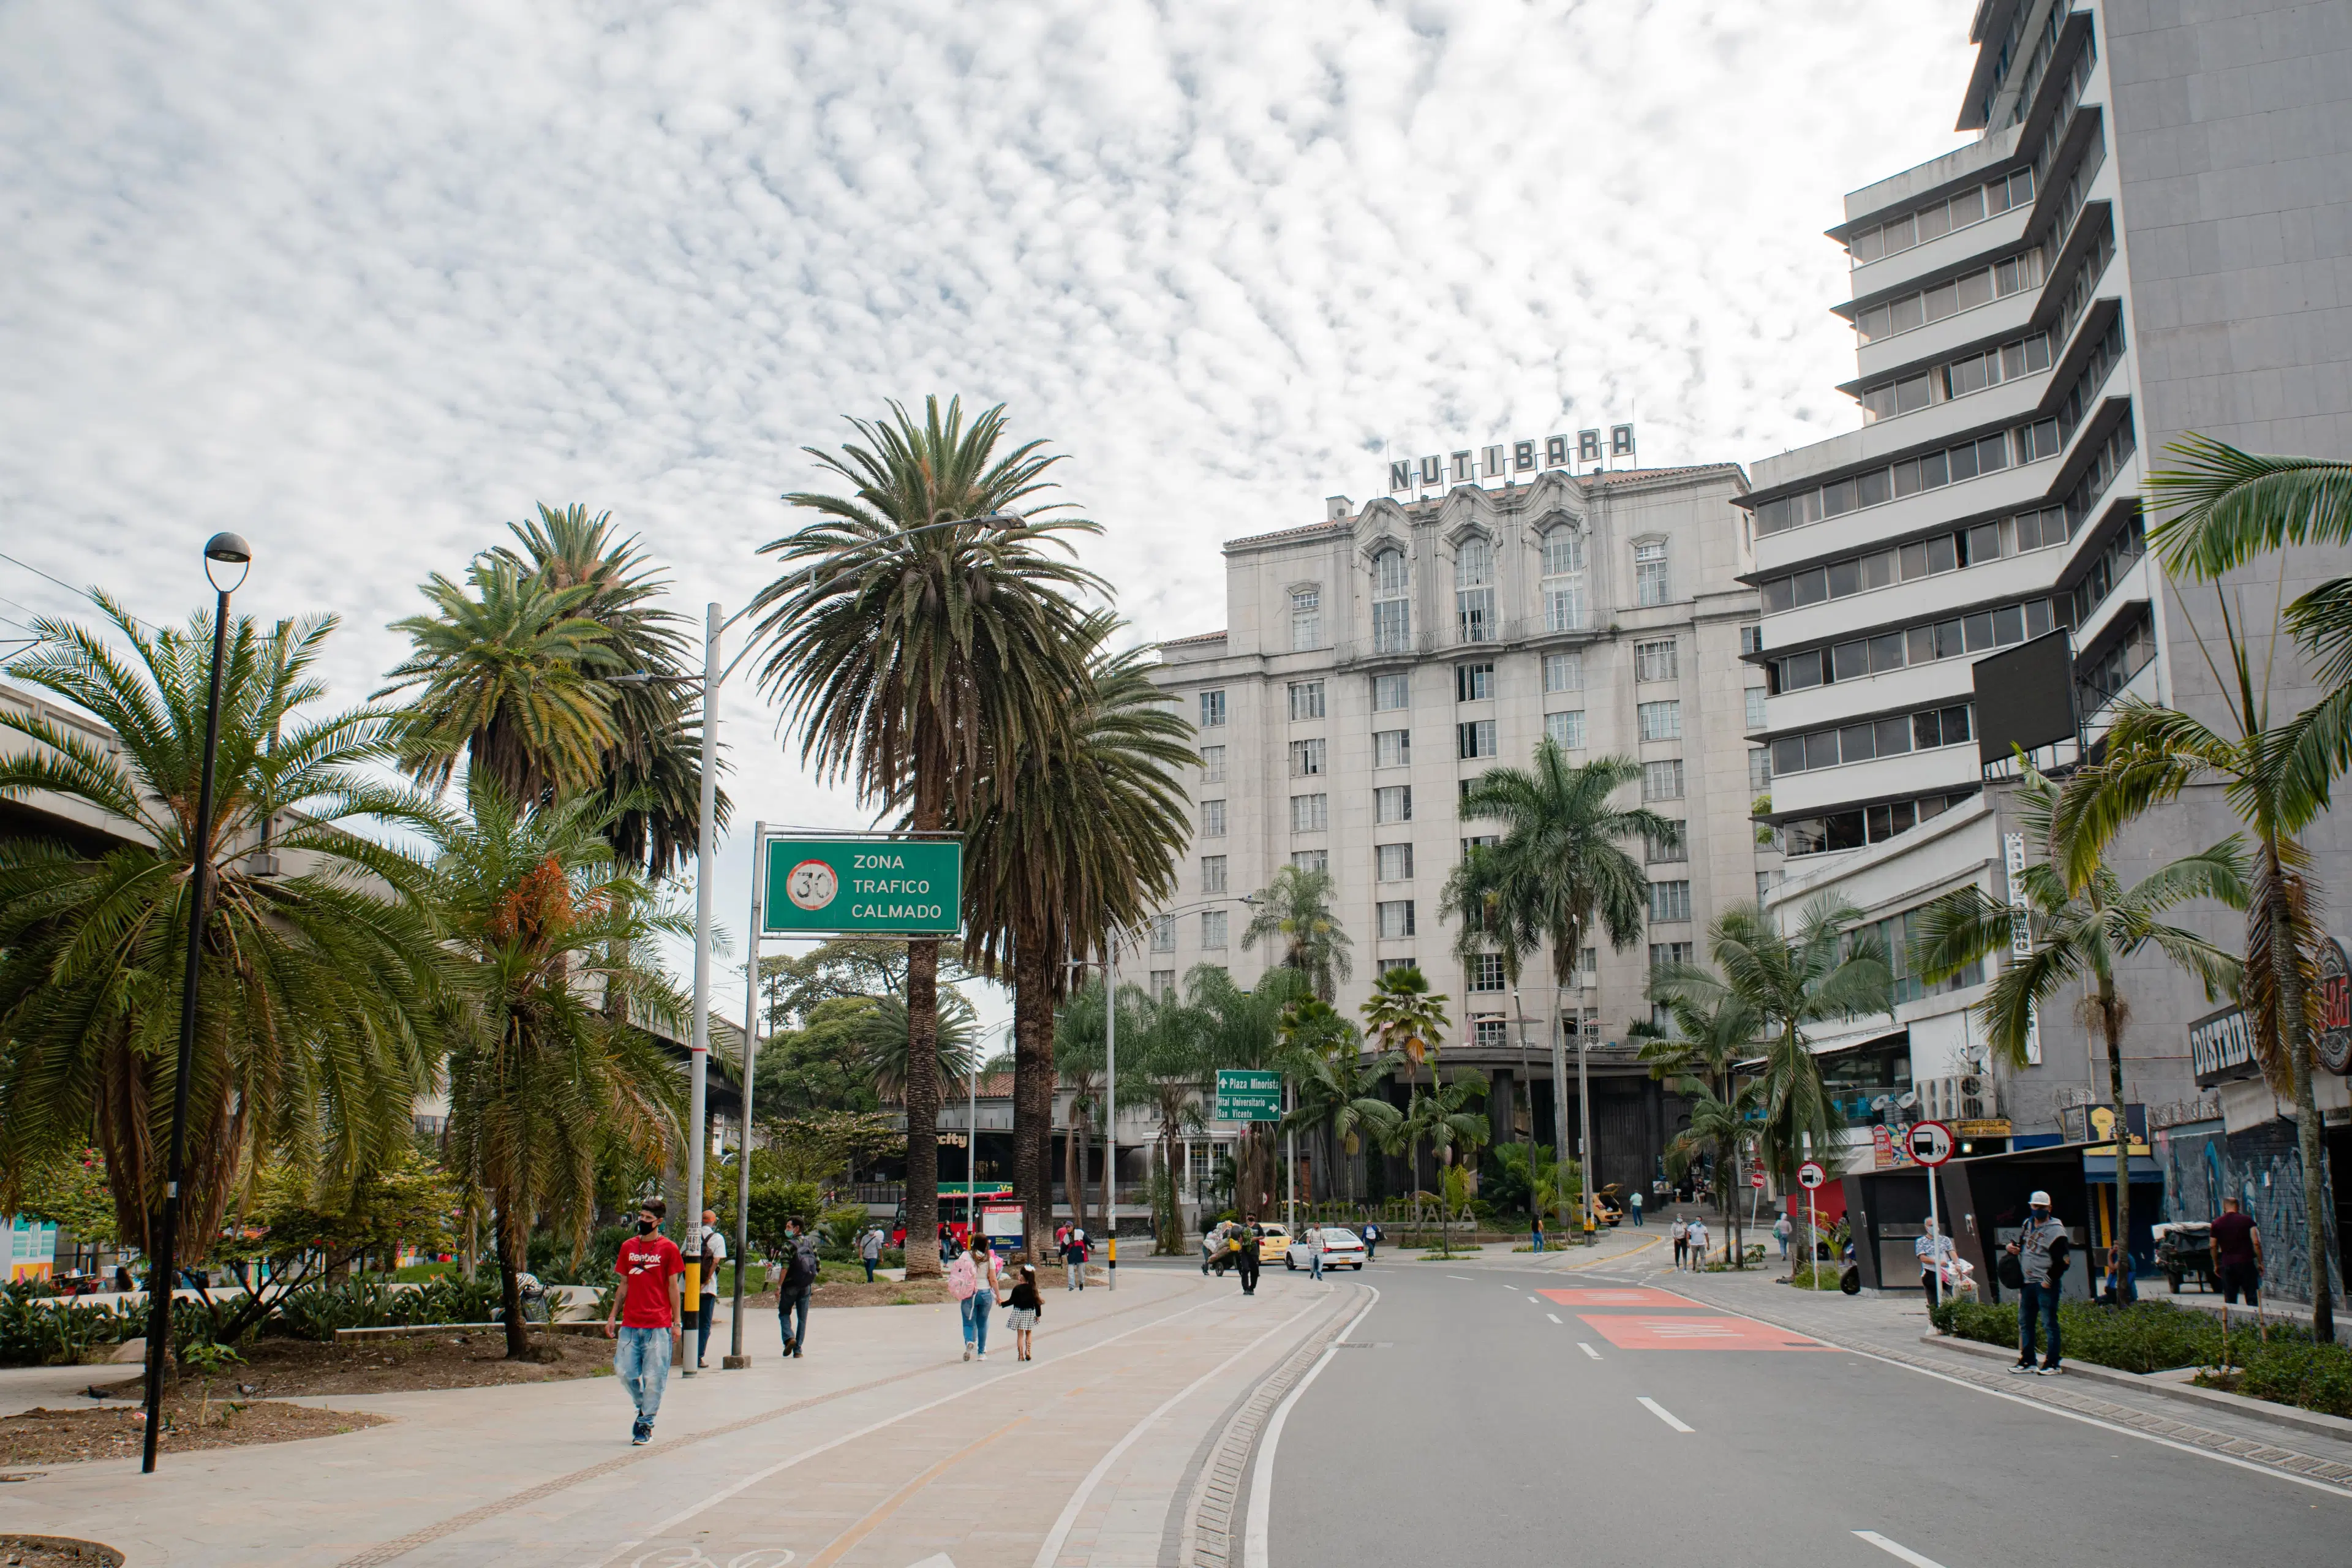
pixel 1964 1096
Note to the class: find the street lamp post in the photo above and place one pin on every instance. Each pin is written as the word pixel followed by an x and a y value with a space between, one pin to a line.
pixel 227 550
pixel 735 1357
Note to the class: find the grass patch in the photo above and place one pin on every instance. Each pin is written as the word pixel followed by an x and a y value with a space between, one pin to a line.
pixel 1826 1277
pixel 2309 1376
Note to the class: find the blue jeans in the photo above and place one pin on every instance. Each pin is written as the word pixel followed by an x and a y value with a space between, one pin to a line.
pixel 1538 1241
pixel 2034 1300
pixel 1637 1213
pixel 795 1334
pixel 974 1307
pixel 1315 1263
pixel 702 1325
pixel 641 1360
pixel 869 1269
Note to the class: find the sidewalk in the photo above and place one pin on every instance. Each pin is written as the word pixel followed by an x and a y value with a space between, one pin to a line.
pixel 880 1448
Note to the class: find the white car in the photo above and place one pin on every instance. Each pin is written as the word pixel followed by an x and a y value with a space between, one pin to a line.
pixel 1341 1250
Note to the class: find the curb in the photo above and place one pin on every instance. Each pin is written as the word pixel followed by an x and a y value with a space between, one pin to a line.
pixel 2169 1385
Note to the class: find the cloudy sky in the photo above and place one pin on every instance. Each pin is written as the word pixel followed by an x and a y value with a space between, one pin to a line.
pixel 364 282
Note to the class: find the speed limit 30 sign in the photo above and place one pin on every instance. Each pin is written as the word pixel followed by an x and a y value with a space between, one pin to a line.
pixel 1931 1142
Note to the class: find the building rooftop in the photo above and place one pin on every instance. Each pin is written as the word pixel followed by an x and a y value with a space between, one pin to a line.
pixel 1217 635
pixel 1609 477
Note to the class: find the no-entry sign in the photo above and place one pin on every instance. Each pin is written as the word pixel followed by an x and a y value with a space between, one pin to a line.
pixel 1756 1177
pixel 1931 1142
pixel 1811 1175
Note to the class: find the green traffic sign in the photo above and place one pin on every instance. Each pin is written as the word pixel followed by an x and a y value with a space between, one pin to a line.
pixel 868 886
pixel 1248 1094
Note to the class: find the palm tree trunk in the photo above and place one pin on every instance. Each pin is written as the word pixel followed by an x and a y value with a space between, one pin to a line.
pixel 923 1110
pixel 514 1254
pixel 2286 969
pixel 1033 1094
pixel 2108 1023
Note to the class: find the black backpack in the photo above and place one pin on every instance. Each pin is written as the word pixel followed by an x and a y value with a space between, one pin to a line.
pixel 800 1272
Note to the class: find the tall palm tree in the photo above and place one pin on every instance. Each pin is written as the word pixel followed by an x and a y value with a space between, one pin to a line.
pixel 884 1030
pixel 1339 1096
pixel 1080 1054
pixel 1409 1021
pixel 1722 1126
pixel 509 675
pixel 1561 869
pixel 1174 1067
pixel 550 1066
pixel 1294 910
pixel 1075 835
pixel 1713 1030
pixel 1443 1120
pixel 2085 924
pixel 911 660
pixel 317 988
pixel 650 774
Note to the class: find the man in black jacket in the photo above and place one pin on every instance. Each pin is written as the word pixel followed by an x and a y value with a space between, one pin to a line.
pixel 1249 1258
pixel 792 1291
pixel 2040 1248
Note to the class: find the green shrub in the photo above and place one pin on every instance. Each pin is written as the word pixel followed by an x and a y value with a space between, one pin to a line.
pixel 2315 1377
pixel 316 1313
pixel 2148 1336
pixel 838 1229
pixel 37 1330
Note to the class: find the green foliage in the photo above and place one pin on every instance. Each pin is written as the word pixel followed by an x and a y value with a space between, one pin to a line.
pixel 38 1330
pixel 317 1313
pixel 70 1189
pixel 2148 1336
pixel 1294 910
pixel 773 1204
pixel 2285 1371
pixel 409 1201
pixel 838 1229
pixel 551 1256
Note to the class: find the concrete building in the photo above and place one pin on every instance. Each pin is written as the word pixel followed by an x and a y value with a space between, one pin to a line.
pixel 1373 663
pixel 2151 235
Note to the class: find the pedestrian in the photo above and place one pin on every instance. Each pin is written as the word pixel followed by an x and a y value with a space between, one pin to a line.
pixel 973 1280
pixel 2041 1248
pixel 1698 1238
pixel 649 1333
pixel 714 1253
pixel 1315 1252
pixel 1248 1259
pixel 1679 1233
pixel 869 1250
pixel 1024 1307
pixel 1371 1238
pixel 1211 1240
pixel 1782 1229
pixel 1636 1201
pixel 1536 1232
pixel 794 1288
pixel 1935 1253
pixel 1073 1262
pixel 2236 1249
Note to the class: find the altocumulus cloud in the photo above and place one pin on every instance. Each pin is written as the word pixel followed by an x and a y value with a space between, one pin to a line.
pixel 364 282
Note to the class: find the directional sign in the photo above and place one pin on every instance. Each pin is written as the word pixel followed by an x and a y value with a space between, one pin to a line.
pixel 870 885
pixel 1248 1094
pixel 1931 1142
pixel 1811 1175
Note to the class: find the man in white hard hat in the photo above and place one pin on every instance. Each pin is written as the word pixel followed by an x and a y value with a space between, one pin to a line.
pixel 2041 1249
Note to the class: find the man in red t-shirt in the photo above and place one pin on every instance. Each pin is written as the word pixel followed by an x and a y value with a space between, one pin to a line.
pixel 649 1267
pixel 2237 1255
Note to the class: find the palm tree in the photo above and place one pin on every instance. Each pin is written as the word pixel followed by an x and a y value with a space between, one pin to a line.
pixel 550 1068
pixel 1074 835
pixel 1407 1020
pixel 1243 1028
pixel 910 655
pixel 1295 909
pixel 883 1030
pixel 1338 1085
pixel 511 678
pixel 1443 1120
pixel 2084 924
pixel 1713 1030
pixel 2228 507
pixel 650 774
pixel 1722 1126
pixel 1079 1056
pixel 1173 1066
pixel 1786 983
pixel 1561 868
pixel 318 1028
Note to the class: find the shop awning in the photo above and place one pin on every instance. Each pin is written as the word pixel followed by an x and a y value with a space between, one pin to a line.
pixel 2102 1168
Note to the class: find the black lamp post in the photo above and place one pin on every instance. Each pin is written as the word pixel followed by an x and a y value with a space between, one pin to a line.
pixel 162 1270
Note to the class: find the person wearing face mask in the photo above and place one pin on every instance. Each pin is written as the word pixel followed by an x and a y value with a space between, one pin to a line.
pixel 649 1329
pixel 2041 1249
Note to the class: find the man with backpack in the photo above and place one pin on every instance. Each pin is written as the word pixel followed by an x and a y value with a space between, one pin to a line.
pixel 1073 1261
pixel 2039 1255
pixel 792 1291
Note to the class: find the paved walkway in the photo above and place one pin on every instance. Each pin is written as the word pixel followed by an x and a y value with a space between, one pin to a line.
pixel 879 1449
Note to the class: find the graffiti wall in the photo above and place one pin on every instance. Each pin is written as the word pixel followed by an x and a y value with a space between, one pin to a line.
pixel 2263 1170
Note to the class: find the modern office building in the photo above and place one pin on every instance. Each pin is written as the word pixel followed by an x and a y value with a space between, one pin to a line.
pixel 1375 662
pixel 2151 235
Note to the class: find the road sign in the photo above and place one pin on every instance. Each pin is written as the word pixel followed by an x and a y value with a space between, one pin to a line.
pixel 1931 1142
pixel 1811 1175
pixel 1756 1177
pixel 1248 1094
pixel 862 885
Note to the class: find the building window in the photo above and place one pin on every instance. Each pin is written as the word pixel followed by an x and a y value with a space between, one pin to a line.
pixel 1164 982
pixel 1391 748
pixel 1669 901
pixel 1659 720
pixel 1493 1034
pixel 1487 972
pixel 1306 759
pixel 1563 672
pixel 1213 928
pixel 1871 739
pixel 1764 883
pixel 1163 934
pixel 1591 967
pixel 1474 682
pixel 1213 819
pixel 1393 802
pixel 1474 590
pixel 1663 781
pixel 1651 586
pixel 1563 579
pixel 1212 873
pixel 1391 603
pixel 1853 829
pixel 1394 862
pixel 1475 739
pixel 1751 638
pixel 1389 963
pixel 1213 765
pixel 1212 710
pixel 1675 847
pixel 1756 695
pixel 1390 692
pixel 1305 619
pixel 1395 919
pixel 1305 700
pixel 1657 661
pixel 1309 812
pixel 1565 731
pixel 1314 860
pixel 1664 953
pixel 1759 769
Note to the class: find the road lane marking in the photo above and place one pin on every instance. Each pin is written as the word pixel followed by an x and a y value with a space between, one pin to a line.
pixel 1531 1298
pixel 1895 1550
pixel 1555 1318
pixel 1463 1277
pixel 1667 1415
pixel 1261 1503
pixel 1588 1350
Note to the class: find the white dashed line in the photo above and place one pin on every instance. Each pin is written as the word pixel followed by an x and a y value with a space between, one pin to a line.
pixel 1667 1415
pixel 1588 1350
pixel 1555 1318
pixel 1463 1277
pixel 1893 1550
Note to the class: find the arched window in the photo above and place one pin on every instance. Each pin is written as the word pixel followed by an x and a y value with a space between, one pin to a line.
pixel 1391 603
pixel 1305 619
pixel 1474 590
pixel 1563 579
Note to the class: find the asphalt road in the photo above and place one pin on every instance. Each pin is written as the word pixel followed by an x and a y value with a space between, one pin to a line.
pixel 1488 1423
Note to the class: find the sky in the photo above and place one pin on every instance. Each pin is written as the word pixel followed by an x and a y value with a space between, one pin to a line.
pixel 365 282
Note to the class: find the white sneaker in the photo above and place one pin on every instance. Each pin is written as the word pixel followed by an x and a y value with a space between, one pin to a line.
pixel 967 1349
pixel 983 1355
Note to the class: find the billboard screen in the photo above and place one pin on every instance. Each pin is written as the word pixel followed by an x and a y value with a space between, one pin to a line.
pixel 2025 697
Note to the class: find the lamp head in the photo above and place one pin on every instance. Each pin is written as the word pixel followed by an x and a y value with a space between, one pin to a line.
pixel 228 550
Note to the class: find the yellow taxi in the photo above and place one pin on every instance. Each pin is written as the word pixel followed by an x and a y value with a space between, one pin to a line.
pixel 1273 1242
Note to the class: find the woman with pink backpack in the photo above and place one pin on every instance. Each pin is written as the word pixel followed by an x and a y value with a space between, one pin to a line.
pixel 973 1279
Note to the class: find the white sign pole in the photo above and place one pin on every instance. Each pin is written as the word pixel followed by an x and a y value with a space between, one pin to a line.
pixel 1110 1112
